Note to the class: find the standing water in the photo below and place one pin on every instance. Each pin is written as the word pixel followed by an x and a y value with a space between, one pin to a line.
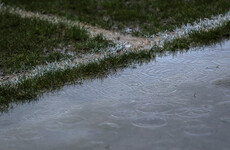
pixel 177 102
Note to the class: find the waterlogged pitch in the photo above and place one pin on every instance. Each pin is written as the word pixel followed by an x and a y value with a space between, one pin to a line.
pixel 114 74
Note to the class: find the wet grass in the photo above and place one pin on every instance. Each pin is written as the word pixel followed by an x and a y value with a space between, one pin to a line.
pixel 32 88
pixel 25 43
pixel 143 17
pixel 199 38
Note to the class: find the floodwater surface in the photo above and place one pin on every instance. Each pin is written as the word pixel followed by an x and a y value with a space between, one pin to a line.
pixel 179 102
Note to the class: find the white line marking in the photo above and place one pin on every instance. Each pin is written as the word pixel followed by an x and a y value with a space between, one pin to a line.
pixel 128 42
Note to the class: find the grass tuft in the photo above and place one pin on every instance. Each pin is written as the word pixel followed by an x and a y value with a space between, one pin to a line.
pixel 199 38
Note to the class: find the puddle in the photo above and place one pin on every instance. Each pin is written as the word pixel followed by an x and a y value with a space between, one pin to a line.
pixel 175 102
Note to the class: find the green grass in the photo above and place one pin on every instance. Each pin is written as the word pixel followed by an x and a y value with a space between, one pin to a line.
pixel 25 43
pixel 199 38
pixel 144 17
pixel 32 88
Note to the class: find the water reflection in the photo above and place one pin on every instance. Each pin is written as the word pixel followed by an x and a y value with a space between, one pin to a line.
pixel 175 102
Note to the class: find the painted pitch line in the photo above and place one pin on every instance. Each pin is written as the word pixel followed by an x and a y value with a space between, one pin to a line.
pixel 40 70
pixel 130 42
pixel 127 42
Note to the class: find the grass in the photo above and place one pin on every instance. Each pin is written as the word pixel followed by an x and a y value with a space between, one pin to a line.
pixel 25 43
pixel 32 88
pixel 145 17
pixel 198 39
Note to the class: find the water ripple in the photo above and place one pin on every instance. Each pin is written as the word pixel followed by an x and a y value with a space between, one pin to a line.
pixel 197 128
pixel 194 112
pixel 155 108
pixel 150 123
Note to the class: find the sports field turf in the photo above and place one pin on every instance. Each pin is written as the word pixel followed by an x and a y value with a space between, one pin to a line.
pixel 26 43
pixel 140 17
